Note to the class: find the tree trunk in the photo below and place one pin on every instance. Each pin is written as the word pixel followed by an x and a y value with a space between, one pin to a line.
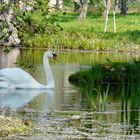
pixel 106 21
pixel 7 17
pixel 13 38
pixel 56 4
pixel 116 5
pixel 84 9
pixel 114 19
pixel 106 12
pixel 124 7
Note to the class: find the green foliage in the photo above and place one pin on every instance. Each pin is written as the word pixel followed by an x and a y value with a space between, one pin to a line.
pixel 96 6
pixel 3 24
pixel 68 3
pixel 108 73
pixel 7 49
pixel 4 31
pixel 35 22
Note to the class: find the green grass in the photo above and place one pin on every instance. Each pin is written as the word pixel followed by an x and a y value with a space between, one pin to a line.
pixel 89 34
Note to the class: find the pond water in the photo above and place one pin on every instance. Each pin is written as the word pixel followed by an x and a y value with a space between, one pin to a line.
pixel 63 113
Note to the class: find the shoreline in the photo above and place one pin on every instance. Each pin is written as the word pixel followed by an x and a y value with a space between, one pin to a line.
pixel 133 52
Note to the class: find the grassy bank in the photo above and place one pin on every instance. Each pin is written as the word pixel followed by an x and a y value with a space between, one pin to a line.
pixel 89 34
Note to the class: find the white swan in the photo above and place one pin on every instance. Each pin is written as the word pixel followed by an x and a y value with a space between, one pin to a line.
pixel 18 78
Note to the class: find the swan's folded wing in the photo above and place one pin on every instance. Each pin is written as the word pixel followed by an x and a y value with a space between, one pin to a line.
pixel 13 75
pixel 2 77
pixel 3 82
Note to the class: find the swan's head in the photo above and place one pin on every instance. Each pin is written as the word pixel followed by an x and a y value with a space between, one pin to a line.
pixel 51 54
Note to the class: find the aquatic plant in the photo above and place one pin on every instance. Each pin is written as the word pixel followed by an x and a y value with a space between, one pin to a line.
pixel 97 81
pixel 97 98
pixel 104 99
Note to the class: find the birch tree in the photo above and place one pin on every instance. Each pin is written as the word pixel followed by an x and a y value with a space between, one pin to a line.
pixel 108 7
pixel 107 4
pixel 84 9
pixel 8 20
pixel 114 14
pixel 6 16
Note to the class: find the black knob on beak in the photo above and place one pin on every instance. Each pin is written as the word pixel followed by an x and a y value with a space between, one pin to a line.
pixel 54 56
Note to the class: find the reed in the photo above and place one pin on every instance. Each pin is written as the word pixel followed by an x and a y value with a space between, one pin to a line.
pixel 100 77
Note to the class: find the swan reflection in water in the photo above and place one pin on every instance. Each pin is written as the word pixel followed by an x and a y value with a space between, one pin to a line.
pixel 18 98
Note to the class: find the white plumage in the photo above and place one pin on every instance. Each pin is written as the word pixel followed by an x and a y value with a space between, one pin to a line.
pixel 18 78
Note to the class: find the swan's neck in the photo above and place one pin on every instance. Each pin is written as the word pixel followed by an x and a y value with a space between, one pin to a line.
pixel 48 72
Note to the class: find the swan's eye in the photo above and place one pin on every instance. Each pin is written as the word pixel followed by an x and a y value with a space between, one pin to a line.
pixel 54 55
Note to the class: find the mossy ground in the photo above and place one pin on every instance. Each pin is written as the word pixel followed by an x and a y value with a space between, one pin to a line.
pixel 13 125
